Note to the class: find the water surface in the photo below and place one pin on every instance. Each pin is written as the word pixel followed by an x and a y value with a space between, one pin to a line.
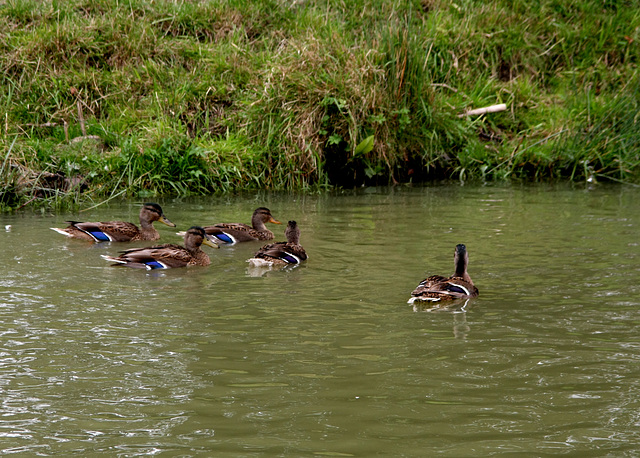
pixel 328 358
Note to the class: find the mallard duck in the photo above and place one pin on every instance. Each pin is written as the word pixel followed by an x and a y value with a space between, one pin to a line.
pixel 119 231
pixel 457 286
pixel 238 232
pixel 169 255
pixel 281 254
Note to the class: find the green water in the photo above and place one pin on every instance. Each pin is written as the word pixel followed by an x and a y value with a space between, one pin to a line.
pixel 328 358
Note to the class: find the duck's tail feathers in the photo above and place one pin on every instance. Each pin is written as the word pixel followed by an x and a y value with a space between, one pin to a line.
pixel 423 299
pixel 61 231
pixel 112 259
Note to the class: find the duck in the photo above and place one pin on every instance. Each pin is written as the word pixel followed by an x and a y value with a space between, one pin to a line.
pixel 281 254
pixel 119 231
pixel 169 255
pixel 230 233
pixel 437 288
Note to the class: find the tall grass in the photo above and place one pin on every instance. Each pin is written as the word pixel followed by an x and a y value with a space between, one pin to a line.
pixel 606 142
pixel 102 98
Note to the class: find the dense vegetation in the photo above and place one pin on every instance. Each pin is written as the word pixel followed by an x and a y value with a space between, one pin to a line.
pixel 143 97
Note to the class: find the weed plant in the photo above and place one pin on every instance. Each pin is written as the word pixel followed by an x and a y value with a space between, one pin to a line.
pixel 103 98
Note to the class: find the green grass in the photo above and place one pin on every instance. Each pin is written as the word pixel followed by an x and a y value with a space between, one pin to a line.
pixel 201 97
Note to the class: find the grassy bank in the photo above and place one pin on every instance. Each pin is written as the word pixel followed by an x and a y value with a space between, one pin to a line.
pixel 109 97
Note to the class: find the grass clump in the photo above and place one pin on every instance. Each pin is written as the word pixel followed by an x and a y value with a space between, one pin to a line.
pixel 139 98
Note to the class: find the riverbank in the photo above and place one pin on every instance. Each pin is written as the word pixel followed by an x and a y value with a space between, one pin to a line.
pixel 104 98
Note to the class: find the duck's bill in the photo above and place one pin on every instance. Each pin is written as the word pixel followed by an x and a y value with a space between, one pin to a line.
pixel 207 241
pixel 274 221
pixel 165 220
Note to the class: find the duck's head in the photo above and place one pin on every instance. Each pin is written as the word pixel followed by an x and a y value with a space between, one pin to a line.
pixel 263 214
pixel 196 236
pixel 153 212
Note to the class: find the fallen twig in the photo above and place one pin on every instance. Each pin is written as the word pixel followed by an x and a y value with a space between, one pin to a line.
pixel 485 110
pixel 444 85
pixel 27 203
pixel 81 119
pixel 86 137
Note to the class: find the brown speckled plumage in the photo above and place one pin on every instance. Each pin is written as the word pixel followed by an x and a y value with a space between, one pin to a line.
pixel 240 232
pixel 169 255
pixel 119 231
pixel 458 286
pixel 281 254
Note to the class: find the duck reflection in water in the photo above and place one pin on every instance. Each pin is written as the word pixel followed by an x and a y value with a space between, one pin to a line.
pixel 458 309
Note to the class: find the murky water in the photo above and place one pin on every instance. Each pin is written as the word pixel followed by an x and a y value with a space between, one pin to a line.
pixel 328 358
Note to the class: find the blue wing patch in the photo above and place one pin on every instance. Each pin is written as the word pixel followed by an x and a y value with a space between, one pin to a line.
pixel 291 259
pixel 100 236
pixel 457 289
pixel 224 238
pixel 155 265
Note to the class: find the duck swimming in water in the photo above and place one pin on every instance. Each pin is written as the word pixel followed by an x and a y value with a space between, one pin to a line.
pixel 281 254
pixel 119 231
pixel 169 255
pixel 438 288
pixel 229 233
